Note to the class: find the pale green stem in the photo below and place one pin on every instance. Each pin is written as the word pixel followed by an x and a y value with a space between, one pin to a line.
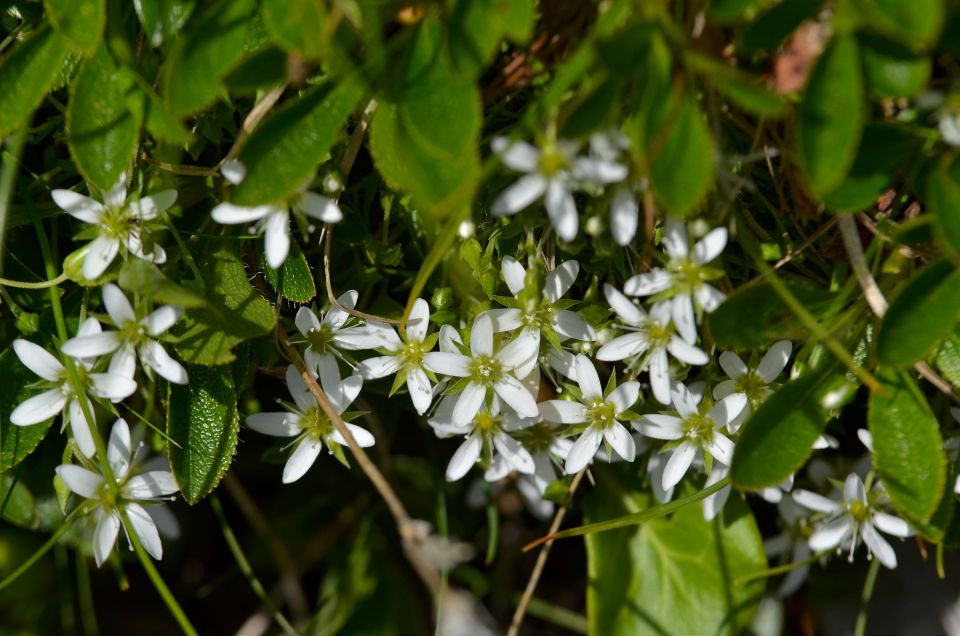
pixel 861 627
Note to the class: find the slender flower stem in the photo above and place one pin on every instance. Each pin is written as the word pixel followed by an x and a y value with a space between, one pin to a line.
pixel 247 570
pixel 42 284
pixel 88 615
pixel 780 569
pixel 861 627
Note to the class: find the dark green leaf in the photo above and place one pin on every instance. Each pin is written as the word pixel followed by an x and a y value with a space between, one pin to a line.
pixel 80 22
pixel 735 10
pixel 293 280
pixel 774 26
pixel 893 71
pixel 921 316
pixel 27 74
pixel 884 148
pixel 907 447
pixel 943 197
pixel 146 279
pixel 682 170
pixel 947 359
pixel 916 24
pixel 162 19
pixel 739 87
pixel 830 116
pixel 16 442
pixel 476 27
pixel 19 508
pixel 103 132
pixel 202 418
pixel 264 69
pixel 297 25
pixel 283 153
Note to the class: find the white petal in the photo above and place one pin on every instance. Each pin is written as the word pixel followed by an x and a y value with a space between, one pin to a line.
pixel 100 253
pixel 649 283
pixel 117 305
pixel 623 347
pixel 710 246
pixel 831 534
pixel 454 364
pixel 660 376
pixel 728 409
pixel 165 521
pixel 38 408
pixel 559 280
pixel 80 429
pixel 150 485
pixel 369 336
pixel 514 452
pixel 319 207
pixel 481 336
pixel 373 368
pixel 157 358
pixel 563 362
pixel 853 488
pixel 685 399
pixel 624 396
pixel 301 459
pixel 624 216
pixel 234 171
pixel 469 403
pixel 516 155
pixel 277 238
pixel 80 480
pixel 583 450
pixel 337 317
pixel 150 207
pixel 421 392
pixel 516 396
pixel 78 206
pixel 105 536
pixel 721 448
pixel 420 313
pixel 683 317
pixel 507 319
pixel 275 424
pixel 569 324
pixel 146 530
pixel 562 411
pixel 587 378
pixel 660 426
pixel 732 365
pixel 562 210
pixel 628 311
pixel 306 321
pixel 161 319
pixel 775 361
pixel 518 196
pixel 229 214
pixel 815 502
pixel 599 171
pixel 723 389
pixel 892 525
pixel 675 238
pixel 678 464
pixel 713 504
pixel 655 466
pixel 301 395
pixel 709 297
pixel 111 386
pixel 514 275
pixel 38 360
pixel 361 436
pixel 878 546
pixel 119 448
pixel 91 346
pixel 687 353
pixel 464 458
pixel 521 351
pixel 621 441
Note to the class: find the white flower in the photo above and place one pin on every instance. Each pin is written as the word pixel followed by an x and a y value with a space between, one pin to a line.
pixel 274 220
pixel 116 223
pixel 712 505
pixel 857 517
pixel 536 312
pixel 307 421
pixel 549 452
pixel 234 171
pixel 60 395
pixel 490 430
pixel 332 332
pixel 489 373
pixel 685 275
pixel 792 542
pixel 551 172
pixel 694 431
pixel 755 384
pixel 652 335
pixel 148 487
pixel 624 208
pixel 600 411
pixel 405 357
pixel 133 337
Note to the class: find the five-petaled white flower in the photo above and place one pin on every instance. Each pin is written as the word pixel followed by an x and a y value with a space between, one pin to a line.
pixel 116 223
pixel 133 337
pixel 146 487
pixel 695 432
pixel 308 422
pixel 405 356
pixel 333 331
pixel 60 395
pixel 857 517
pixel 754 384
pixel 274 220
pixel 600 411
pixel 685 277
pixel 488 372
pixel 652 334
pixel 552 171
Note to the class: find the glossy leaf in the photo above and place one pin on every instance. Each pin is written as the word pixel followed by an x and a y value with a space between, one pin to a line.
pixel 682 169
pixel 921 316
pixel 26 74
pixel 140 277
pixel 102 130
pixel 907 447
pixel 297 25
pixel 947 359
pixel 830 116
pixel 916 24
pixel 282 155
pixel 18 504
pixel 293 280
pixel 202 419
pixel 893 71
pixel 80 22
pixel 163 19
pixel 16 442
pixel 672 575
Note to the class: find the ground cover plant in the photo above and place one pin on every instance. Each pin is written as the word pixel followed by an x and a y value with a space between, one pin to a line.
pixel 479 316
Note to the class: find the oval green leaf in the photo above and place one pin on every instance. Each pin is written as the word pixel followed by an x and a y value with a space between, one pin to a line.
pixel 80 22
pixel 943 197
pixel 16 442
pixel 883 150
pixel 682 170
pixel 27 74
pixel 294 280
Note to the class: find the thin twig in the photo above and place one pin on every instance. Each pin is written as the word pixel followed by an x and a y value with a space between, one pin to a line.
pixel 253 119
pixel 806 243
pixel 541 561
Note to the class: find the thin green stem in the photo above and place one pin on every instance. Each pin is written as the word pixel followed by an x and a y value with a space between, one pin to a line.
pixel 868 585
pixel 780 569
pixel 43 284
pixel 36 556
pixel 559 616
pixel 247 570
pixel 85 596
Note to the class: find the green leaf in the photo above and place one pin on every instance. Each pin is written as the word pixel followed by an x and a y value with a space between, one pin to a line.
pixel 921 316
pixel 672 575
pixel 20 508
pixel 204 54
pixel 916 24
pixel 282 155
pixel 947 359
pixel 103 132
pixel 739 87
pixel 682 170
pixel 80 22
pixel 882 151
pixel 892 71
pixel 293 280
pixel 236 312
pixel 141 277
pixel 27 74
pixel 424 138
pixel 735 10
pixel 297 25
pixel 907 447
pixel 162 19
pixel 202 418
pixel 773 27
pixel 264 69
pixel 943 197
pixel 778 438
pixel 755 316
pixel 830 116
pixel 16 442
pixel 476 27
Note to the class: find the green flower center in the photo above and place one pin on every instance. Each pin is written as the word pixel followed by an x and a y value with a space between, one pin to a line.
pixel 687 274
pixel 132 332
pixel 601 414
pixel 115 222
pixel 411 354
pixel 753 385
pixel 700 428
pixel 485 370
pixel 536 317
pixel 858 510
pixel 485 423
pixel 659 334
pixel 316 424
pixel 320 338
pixel 552 161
